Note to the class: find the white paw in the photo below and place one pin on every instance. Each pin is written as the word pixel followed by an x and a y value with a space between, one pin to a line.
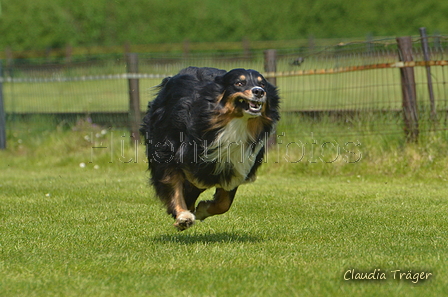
pixel 184 220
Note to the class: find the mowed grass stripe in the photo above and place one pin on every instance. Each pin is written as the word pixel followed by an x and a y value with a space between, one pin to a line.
pixel 76 232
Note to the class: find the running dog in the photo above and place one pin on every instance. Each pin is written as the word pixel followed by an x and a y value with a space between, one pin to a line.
pixel 207 128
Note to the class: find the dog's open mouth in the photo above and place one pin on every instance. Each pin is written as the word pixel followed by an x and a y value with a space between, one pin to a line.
pixel 251 107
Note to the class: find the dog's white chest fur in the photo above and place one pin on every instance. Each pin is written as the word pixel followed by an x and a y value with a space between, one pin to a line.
pixel 234 150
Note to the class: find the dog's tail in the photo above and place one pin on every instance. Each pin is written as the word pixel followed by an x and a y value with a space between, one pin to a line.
pixel 163 83
pixel 144 128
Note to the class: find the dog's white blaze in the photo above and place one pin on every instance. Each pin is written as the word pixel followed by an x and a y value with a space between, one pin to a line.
pixel 235 149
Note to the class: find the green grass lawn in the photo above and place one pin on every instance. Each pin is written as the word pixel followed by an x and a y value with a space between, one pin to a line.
pixel 296 231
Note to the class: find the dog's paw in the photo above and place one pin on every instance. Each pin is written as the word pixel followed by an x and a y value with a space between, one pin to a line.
pixel 201 211
pixel 184 220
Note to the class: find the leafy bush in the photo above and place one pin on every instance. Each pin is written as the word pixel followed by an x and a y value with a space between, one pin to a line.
pixel 40 24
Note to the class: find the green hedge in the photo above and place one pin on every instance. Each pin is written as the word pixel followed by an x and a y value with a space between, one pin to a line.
pixel 40 24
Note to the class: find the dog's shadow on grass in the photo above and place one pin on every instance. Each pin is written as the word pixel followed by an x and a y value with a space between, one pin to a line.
pixel 221 237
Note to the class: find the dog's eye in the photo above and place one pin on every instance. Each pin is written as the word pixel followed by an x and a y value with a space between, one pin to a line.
pixel 262 85
pixel 240 83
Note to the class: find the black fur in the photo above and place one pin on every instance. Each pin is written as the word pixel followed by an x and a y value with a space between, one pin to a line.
pixel 191 109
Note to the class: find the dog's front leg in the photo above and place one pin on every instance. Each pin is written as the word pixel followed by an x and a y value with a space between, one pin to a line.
pixel 184 218
pixel 221 203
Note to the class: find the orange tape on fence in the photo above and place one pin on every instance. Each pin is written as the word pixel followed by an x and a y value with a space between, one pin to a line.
pixel 356 68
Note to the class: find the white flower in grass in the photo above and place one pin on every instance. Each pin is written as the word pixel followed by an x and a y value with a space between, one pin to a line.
pixel 82 165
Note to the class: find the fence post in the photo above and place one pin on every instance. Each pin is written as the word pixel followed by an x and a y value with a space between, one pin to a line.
pixel 186 48
pixel 246 48
pixel 9 57
pixel 270 64
pixel 2 112
pixel 408 90
pixel 425 49
pixel 127 48
pixel 68 54
pixel 134 97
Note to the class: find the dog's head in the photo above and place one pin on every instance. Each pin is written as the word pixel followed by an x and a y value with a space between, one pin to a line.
pixel 244 93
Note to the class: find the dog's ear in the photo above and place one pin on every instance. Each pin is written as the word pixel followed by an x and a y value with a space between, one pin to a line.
pixel 219 80
pixel 273 98
pixel 270 88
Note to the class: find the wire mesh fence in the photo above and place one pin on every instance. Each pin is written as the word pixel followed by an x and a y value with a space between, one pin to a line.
pixel 353 82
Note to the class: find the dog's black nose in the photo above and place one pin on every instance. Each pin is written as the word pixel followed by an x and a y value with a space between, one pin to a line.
pixel 258 92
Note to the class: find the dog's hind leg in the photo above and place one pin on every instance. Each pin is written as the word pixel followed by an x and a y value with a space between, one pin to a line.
pixel 220 204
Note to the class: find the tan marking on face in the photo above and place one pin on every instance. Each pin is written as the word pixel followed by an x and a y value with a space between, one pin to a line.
pixel 259 79
pixel 225 115
pixel 242 77
pixel 228 111
pixel 220 97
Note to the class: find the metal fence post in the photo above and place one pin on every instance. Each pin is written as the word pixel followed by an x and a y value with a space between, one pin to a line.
pixel 408 90
pixel 134 97
pixel 2 112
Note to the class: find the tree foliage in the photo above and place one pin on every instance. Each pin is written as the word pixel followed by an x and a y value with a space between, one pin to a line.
pixel 38 24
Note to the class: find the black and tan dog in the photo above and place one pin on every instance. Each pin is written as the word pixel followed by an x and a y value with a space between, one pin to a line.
pixel 207 128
